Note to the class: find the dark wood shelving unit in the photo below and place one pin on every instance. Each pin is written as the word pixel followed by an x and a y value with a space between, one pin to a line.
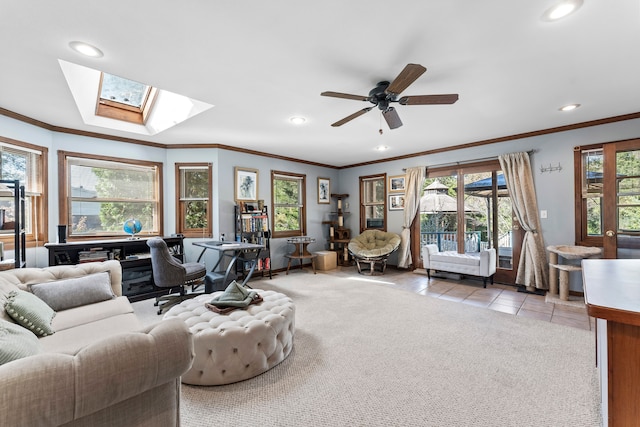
pixel 252 226
pixel 339 235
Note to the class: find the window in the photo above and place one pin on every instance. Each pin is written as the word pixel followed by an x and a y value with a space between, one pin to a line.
pixel 589 193
pixel 24 162
pixel 193 213
pixel 101 193
pixel 124 99
pixel 288 200
pixel 373 204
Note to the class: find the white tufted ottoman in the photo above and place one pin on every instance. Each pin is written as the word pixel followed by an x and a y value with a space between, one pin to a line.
pixel 238 345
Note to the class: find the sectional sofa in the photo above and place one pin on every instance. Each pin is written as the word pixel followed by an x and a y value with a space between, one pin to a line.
pixel 94 365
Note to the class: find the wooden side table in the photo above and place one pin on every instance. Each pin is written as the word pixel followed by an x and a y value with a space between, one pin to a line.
pixel 301 252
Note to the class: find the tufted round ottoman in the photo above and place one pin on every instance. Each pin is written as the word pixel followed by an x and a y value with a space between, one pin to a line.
pixel 238 345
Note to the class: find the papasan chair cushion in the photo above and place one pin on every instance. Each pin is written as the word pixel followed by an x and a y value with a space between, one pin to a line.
pixel 373 246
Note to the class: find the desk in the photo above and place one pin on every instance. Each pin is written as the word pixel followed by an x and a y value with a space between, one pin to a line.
pixel 612 295
pixel 245 252
pixel 301 252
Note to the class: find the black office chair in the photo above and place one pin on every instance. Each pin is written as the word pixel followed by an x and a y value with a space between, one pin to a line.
pixel 169 273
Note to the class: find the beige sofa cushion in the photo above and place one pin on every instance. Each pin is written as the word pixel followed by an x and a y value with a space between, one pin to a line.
pixel 69 341
pixel 24 277
pixel 84 314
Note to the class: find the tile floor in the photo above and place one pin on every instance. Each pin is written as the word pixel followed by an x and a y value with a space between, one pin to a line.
pixel 498 297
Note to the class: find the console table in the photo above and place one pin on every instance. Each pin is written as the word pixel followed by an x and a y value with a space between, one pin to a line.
pixel 134 256
pixel 612 295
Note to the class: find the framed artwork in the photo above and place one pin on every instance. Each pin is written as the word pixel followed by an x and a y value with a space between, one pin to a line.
pixel 324 190
pixel 246 184
pixel 396 202
pixel 396 183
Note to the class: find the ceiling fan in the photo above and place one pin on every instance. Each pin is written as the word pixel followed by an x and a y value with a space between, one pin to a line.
pixel 386 93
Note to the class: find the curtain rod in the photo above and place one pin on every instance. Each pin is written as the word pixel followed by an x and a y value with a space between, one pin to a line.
pixel 468 162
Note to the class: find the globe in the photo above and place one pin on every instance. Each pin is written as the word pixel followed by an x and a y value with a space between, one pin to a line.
pixel 132 226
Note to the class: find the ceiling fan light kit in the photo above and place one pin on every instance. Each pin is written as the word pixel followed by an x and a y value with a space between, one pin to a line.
pixel 386 93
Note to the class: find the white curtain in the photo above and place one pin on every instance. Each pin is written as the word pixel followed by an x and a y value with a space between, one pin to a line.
pixel 533 268
pixel 414 178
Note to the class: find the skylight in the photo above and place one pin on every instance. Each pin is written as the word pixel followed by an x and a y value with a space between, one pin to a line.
pixel 126 105
pixel 124 99
pixel 123 91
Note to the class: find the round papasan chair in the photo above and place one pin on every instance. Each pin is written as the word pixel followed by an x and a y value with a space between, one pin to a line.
pixel 373 247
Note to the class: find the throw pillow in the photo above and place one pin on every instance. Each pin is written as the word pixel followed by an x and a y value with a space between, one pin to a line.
pixel 31 312
pixel 16 342
pixel 69 293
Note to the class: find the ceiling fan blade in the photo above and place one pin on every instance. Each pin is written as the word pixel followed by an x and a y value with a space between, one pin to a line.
pixel 351 117
pixel 428 99
pixel 407 76
pixel 392 118
pixel 345 96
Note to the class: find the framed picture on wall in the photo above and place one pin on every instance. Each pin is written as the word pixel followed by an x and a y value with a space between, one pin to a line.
pixel 246 184
pixel 396 202
pixel 324 190
pixel 396 184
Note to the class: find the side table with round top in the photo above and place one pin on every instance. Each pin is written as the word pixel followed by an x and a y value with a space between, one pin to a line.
pixel 301 252
pixel 240 344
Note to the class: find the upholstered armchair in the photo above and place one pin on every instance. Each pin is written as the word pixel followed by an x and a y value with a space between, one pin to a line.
pixel 372 248
pixel 169 273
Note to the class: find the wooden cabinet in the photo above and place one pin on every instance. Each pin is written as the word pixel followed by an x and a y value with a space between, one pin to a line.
pixel 134 256
pixel 252 226
pixel 612 295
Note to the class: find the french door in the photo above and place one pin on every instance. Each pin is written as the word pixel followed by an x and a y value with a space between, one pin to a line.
pixel 621 195
pixel 468 209
pixel 608 198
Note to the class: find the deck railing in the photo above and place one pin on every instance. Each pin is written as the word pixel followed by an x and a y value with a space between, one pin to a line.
pixel 447 240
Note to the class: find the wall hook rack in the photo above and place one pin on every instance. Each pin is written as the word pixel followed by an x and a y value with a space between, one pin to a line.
pixel 550 168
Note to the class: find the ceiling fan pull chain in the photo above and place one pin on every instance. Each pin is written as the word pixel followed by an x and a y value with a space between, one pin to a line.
pixel 380 130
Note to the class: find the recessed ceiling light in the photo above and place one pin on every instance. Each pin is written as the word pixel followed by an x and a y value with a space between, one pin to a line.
pixel 569 107
pixel 561 9
pixel 297 120
pixel 382 148
pixel 86 49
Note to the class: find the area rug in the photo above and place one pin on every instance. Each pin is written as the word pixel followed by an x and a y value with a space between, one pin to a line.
pixel 369 355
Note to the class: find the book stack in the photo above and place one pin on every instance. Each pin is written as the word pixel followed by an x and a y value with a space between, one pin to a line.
pixel 93 255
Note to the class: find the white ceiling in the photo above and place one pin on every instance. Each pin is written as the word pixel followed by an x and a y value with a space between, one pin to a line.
pixel 261 62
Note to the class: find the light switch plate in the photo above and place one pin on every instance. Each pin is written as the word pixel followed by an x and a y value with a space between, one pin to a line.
pixel 543 214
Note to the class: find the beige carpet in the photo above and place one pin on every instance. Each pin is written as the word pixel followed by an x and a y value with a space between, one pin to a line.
pixel 369 355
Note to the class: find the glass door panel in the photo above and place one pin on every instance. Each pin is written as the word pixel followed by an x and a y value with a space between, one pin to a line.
pixel 438 213
pixel 478 212
pixel 628 204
